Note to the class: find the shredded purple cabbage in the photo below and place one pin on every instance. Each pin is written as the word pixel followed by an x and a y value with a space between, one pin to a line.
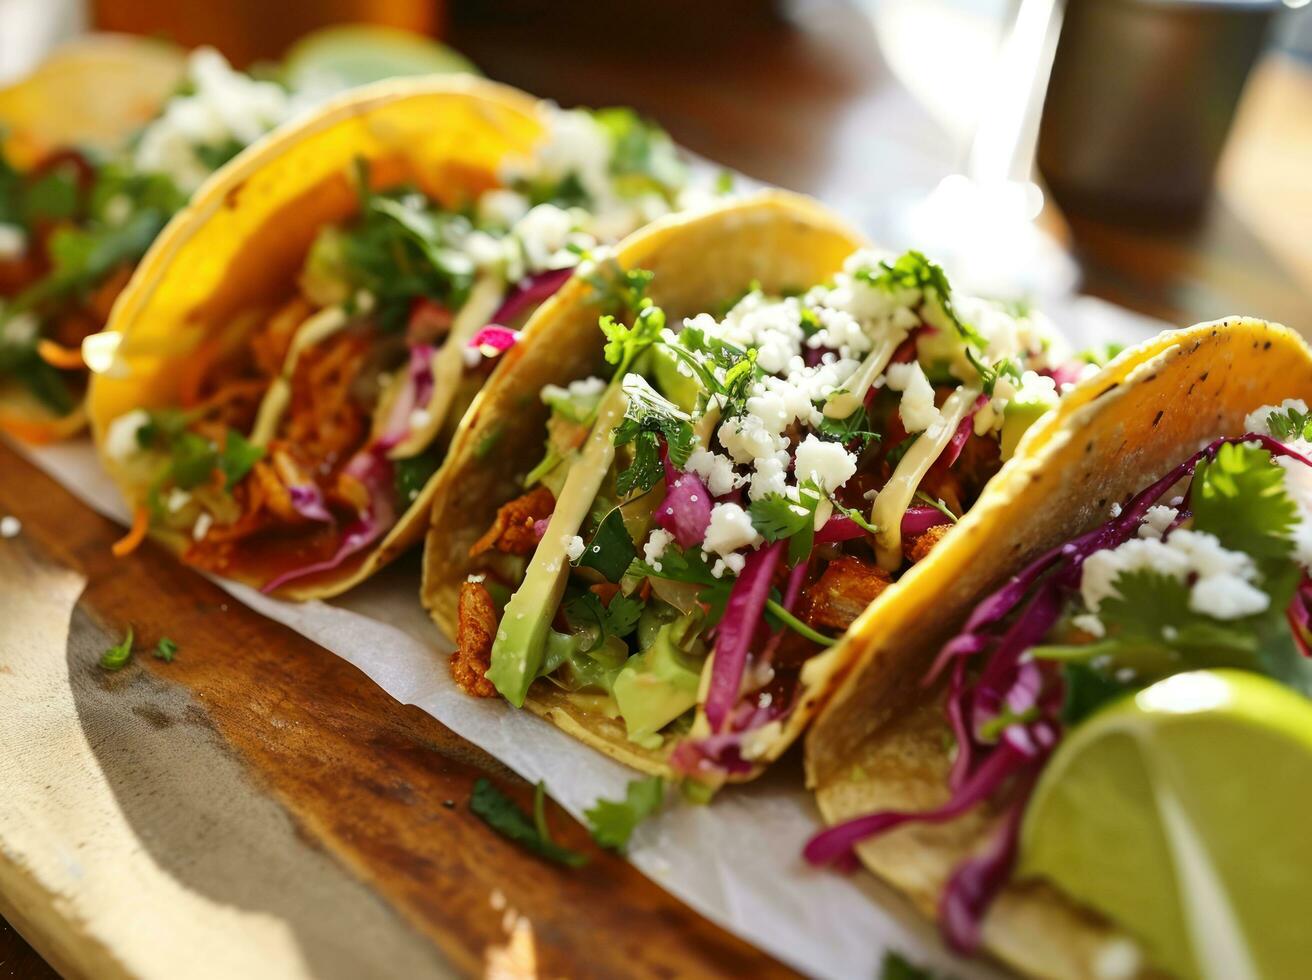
pixel 1025 694
pixel 531 291
pixel 839 527
pixel 416 394
pixel 742 615
pixel 918 520
pixel 307 499
pixel 952 452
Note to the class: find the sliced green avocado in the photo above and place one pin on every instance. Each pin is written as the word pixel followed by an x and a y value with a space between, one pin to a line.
pixel 519 650
pixel 660 683
pixel 678 387
pixel 574 668
pixel 1017 417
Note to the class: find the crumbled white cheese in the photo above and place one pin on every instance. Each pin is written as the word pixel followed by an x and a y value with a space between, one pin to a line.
pixel 475 578
pixel 10 526
pixel 730 529
pixel 176 500
pixel 20 329
pixel 715 470
pixel 1117 959
pixel 501 207
pixel 826 464
pixel 13 241
pixel 729 563
pixel 769 476
pixel 1090 623
pixel 419 419
pixel 225 106
pixel 657 542
pixel 1222 579
pixel 917 408
pixel 121 435
pixel 202 526
pixel 747 438
pixel 1156 520
pixel 574 547
pixel 1115 511
pixel 1259 419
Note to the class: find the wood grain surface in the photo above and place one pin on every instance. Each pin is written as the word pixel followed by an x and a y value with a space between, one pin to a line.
pixel 260 787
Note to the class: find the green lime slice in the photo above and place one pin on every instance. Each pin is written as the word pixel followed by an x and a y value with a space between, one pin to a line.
pixel 357 54
pixel 1182 814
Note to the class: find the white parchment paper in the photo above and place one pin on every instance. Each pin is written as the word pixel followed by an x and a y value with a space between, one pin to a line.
pixel 736 861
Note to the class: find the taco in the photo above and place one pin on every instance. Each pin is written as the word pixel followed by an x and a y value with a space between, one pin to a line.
pixel 1017 764
pixel 291 358
pixel 98 148
pixel 770 426
pixel 102 144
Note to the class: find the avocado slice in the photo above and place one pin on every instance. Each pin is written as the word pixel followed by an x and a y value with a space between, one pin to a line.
pixel 519 649
pixel 660 683
pixel 676 385
pixel 1017 417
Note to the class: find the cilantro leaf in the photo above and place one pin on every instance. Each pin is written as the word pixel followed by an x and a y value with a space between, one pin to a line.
pixel 237 457
pixel 777 517
pixel 620 618
pixel 503 815
pixel 848 430
pixel 117 656
pixel 912 270
pixel 1085 690
pixel 412 475
pixel 165 649
pixel 1152 632
pixel 612 822
pixel 611 550
pixel 1240 497
pixel 898 967
pixel 1290 424
pixel 691 566
pixel 618 291
pixel 898 450
pixel 649 419
pixel 625 343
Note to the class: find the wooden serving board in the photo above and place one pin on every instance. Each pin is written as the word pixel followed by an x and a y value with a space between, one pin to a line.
pixel 259 807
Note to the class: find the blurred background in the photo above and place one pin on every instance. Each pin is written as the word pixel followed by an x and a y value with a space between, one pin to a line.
pixel 1151 152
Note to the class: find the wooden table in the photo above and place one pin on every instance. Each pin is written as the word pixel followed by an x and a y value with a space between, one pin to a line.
pixel 324 803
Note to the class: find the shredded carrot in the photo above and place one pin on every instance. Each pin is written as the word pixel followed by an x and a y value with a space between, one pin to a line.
pixel 59 356
pixel 218 479
pixel 129 542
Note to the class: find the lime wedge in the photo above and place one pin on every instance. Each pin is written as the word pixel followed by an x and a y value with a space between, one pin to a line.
pixel 357 54
pixel 1182 814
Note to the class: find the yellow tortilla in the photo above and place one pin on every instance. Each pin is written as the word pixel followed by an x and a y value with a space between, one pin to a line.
pixel 240 243
pixel 94 91
pixel 881 743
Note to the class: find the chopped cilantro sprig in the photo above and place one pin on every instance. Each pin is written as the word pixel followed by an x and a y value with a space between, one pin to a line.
pixel 503 815
pixel 613 821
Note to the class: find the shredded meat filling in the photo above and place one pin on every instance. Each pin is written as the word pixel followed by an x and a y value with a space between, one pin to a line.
pixel 512 531
pixel 476 626
pixel 842 593
pixel 324 418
